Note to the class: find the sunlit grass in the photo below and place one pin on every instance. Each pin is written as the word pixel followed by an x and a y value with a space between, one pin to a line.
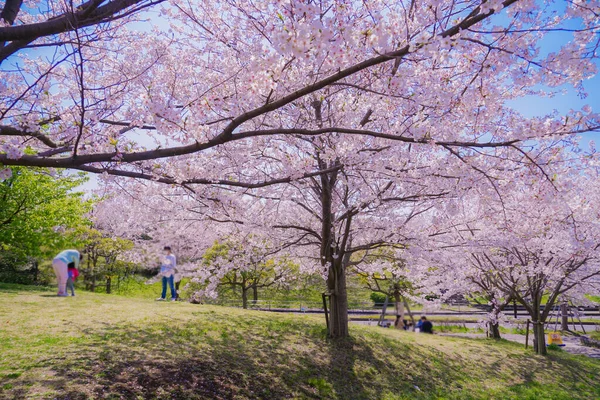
pixel 106 346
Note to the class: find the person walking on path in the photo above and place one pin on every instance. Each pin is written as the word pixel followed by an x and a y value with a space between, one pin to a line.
pixel 61 268
pixel 167 270
pixel 73 274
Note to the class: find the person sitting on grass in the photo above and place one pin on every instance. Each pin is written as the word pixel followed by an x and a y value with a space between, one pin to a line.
pixel 425 325
pixel 73 274
pixel 61 269
pixel 167 270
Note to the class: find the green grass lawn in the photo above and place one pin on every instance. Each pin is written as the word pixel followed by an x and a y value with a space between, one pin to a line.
pixel 111 347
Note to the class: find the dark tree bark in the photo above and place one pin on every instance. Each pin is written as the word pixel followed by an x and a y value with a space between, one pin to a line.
pixel 539 339
pixel 412 318
pixel 336 283
pixel 93 285
pixel 564 313
pixel 333 256
pixel 498 308
pixel 9 14
pixel 10 10
pixel 495 330
pixel 244 297
pixel 36 271
pixel 399 323
pixel 538 285
pixel 537 318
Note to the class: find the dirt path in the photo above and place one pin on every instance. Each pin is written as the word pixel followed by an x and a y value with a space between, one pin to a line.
pixel 572 343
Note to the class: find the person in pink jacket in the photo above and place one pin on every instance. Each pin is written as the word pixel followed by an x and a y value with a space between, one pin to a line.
pixel 73 274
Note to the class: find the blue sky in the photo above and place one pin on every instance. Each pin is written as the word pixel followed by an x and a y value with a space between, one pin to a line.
pixel 531 106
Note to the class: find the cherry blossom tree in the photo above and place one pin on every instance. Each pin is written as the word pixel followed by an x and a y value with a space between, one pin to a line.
pixel 354 206
pixel 389 277
pixel 153 216
pixel 358 204
pixel 538 241
pixel 219 76
pixel 247 263
pixel 497 299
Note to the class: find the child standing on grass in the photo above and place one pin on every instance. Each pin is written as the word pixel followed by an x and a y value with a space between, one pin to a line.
pixel 73 274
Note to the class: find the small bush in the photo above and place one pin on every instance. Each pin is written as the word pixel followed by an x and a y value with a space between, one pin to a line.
pixel 378 298
pixel 554 347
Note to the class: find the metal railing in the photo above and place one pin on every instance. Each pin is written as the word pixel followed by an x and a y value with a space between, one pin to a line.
pixel 316 306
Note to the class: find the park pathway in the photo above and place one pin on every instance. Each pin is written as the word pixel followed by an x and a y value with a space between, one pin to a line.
pixel 572 343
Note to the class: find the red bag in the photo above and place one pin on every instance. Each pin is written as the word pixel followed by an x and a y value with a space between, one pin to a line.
pixel 75 273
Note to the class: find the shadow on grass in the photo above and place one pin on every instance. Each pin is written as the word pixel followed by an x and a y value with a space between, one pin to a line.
pixel 62 385
pixel 17 288
pixel 259 358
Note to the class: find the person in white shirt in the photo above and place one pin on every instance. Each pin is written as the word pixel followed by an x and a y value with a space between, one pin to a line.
pixel 167 270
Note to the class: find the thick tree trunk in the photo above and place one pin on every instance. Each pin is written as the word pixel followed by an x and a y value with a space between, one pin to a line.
pixel 338 321
pixel 495 330
pixel 399 324
pixel 108 284
pixel 493 324
pixel 539 339
pixel 244 298
pixel 410 314
pixel 333 256
pixel 255 294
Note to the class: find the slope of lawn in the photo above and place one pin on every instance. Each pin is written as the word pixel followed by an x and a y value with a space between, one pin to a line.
pixel 111 347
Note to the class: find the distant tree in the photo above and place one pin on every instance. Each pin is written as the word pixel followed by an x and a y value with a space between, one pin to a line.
pixel 39 214
pixel 538 243
pixel 484 287
pixel 104 257
pixel 247 265
pixel 112 250
pixel 384 273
